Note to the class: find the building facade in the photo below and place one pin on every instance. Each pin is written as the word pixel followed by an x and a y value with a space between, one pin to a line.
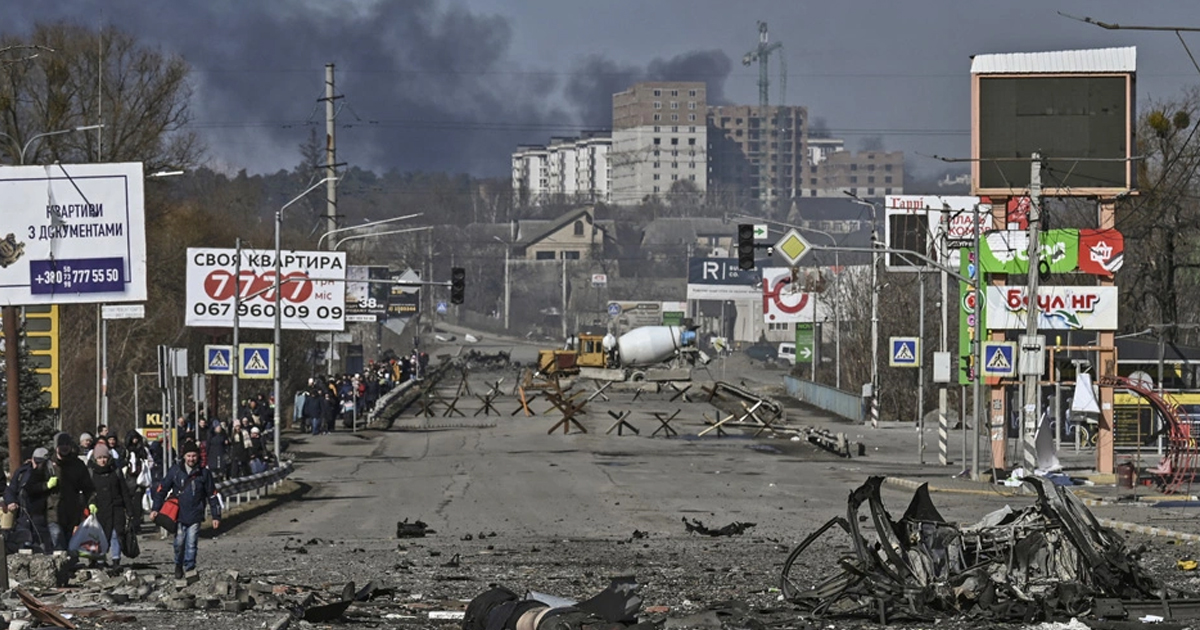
pixel 866 174
pixel 568 170
pixel 659 138
pixel 758 153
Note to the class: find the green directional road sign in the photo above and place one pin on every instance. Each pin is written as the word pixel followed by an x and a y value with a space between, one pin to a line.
pixel 804 342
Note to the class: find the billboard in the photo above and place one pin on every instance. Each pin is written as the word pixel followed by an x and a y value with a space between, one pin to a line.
pixel 1075 107
pixel 366 301
pixel 1059 308
pixel 929 224
pixel 634 314
pixel 404 301
pixel 72 233
pixel 312 289
pixel 721 279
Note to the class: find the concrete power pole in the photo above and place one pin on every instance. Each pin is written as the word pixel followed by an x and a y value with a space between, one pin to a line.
pixel 330 154
pixel 1029 404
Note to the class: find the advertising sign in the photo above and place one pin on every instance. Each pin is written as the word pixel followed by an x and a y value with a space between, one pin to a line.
pixel 721 279
pixel 404 300
pixel 367 298
pixel 970 315
pixel 1101 252
pixel 920 223
pixel 312 289
pixel 1007 251
pixel 782 300
pixel 673 313
pixel 72 233
pixel 1059 308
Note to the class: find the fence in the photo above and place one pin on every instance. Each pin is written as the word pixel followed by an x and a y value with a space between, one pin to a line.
pixel 243 489
pixel 830 399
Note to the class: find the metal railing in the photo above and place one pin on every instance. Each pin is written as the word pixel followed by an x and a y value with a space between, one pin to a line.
pixel 243 489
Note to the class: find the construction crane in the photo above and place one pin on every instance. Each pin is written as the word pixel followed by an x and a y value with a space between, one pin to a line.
pixel 762 55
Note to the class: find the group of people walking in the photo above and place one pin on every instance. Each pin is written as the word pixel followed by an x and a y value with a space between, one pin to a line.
pixel 55 489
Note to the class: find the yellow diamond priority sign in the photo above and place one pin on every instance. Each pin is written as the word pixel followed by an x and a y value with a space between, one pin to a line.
pixel 792 247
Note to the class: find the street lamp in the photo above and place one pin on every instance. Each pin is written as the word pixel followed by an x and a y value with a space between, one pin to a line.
pixel 9 314
pixel 365 225
pixel 507 286
pixel 874 308
pixel 278 305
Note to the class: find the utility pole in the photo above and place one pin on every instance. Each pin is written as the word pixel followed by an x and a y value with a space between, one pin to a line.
pixel 980 417
pixel 1029 413
pixel 762 55
pixel 330 153
pixel 874 322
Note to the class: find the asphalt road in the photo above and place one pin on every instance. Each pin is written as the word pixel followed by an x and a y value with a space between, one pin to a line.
pixel 559 512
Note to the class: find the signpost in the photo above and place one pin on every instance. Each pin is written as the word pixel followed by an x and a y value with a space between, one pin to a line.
pixel 218 360
pixel 999 359
pixel 906 352
pixel 804 342
pixel 256 360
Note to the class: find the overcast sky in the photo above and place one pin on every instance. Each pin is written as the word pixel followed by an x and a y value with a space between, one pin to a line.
pixel 455 85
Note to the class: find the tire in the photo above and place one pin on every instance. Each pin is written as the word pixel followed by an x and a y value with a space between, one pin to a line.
pixel 637 377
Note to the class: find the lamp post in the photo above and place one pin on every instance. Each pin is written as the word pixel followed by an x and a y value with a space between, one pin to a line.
pixel 507 286
pixel 874 308
pixel 278 305
pixel 9 314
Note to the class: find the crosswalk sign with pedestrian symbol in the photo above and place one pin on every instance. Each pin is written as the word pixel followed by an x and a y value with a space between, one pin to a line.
pixel 218 360
pixel 256 360
pixel 906 352
pixel 999 358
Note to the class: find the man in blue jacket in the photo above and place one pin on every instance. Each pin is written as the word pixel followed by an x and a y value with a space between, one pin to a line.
pixel 193 485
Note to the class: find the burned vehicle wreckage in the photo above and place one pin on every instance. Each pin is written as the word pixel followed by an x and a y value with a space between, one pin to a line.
pixel 1051 560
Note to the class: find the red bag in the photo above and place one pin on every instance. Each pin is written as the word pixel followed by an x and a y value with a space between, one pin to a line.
pixel 168 515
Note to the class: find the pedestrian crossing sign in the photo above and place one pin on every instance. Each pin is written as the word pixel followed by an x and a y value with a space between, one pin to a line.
pixel 218 360
pixel 906 352
pixel 257 360
pixel 999 358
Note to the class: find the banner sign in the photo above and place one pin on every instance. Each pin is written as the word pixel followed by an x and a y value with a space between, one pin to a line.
pixel 1007 251
pixel 970 315
pixel 920 223
pixel 635 314
pixel 367 298
pixel 72 234
pixel 721 279
pixel 782 300
pixel 1059 308
pixel 673 313
pixel 312 289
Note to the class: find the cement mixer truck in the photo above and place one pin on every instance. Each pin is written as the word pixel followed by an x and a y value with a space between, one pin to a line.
pixel 645 353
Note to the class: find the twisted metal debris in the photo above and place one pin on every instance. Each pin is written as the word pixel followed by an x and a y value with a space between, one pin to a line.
pixel 1047 561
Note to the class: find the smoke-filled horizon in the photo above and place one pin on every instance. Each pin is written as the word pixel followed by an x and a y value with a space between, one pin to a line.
pixel 423 87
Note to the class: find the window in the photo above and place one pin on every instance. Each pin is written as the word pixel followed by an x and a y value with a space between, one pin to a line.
pixel 674 104
pixel 656 189
pixel 656 165
pixel 658 117
pixel 579 228
pixel 812 181
pixel 779 326
pixel 656 177
pixel 674 152
pixel 674 116
pixel 692 93
pixel 658 92
pixel 871 192
pixel 657 129
pixel 674 164
pixel 691 104
pixel 691 130
pixel 657 141
pixel 692 117
pixel 812 193
pixel 853 179
pixel 887 167
pixel 570 255
pixel 656 152
pixel 871 179
pixel 674 178
pixel 545 255
pixel 887 180
pixel 854 167
pixel 674 140
pixel 691 165
pixel 674 92
pixel 692 177
pixel 657 104
pixel 870 167
pixel 691 154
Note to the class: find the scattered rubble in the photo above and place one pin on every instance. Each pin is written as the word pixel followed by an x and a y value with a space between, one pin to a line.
pixel 416 529
pixel 1049 561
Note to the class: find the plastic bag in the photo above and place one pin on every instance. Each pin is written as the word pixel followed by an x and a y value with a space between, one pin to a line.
pixel 130 548
pixel 89 538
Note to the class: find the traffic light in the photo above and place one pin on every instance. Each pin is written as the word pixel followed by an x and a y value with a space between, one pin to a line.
pixel 458 285
pixel 745 246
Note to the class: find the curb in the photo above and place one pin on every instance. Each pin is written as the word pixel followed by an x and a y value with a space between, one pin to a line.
pixel 1110 523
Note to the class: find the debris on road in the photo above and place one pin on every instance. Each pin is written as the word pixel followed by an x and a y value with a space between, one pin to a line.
pixel 1049 561
pixel 416 529
pixel 614 608
pixel 733 529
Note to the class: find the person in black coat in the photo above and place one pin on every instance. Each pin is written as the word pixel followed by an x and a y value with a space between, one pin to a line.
pixel 239 458
pixel 311 411
pixel 74 486
pixel 218 451
pixel 329 410
pixel 111 500
pixel 27 494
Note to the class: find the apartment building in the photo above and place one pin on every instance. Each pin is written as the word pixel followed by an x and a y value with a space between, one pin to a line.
pixel 659 138
pixel 866 174
pixel 568 169
pixel 758 153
